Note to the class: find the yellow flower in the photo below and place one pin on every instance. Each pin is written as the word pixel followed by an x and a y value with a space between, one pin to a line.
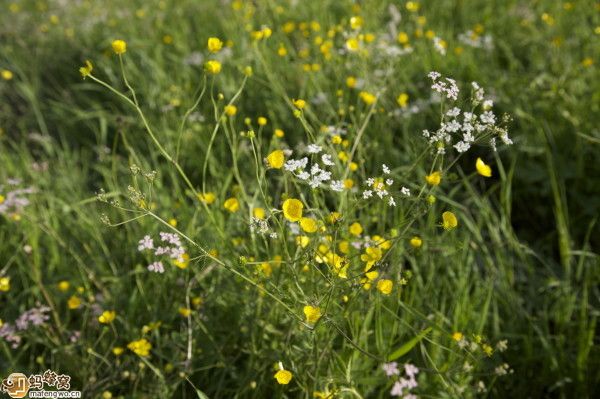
pixel 352 44
pixel 6 74
pixel 279 133
pixel 213 67
pixel 230 110
pixel 402 38
pixel 2 198
pixel 231 204
pixel 402 100
pixel 214 44
pixel 299 103
pixel 367 97
pixel 434 179
pixel 487 349
pixel 87 69
pixel 63 286
pixel 119 46
pixel 282 51
pixel 356 22
pixel 184 263
pixel 4 284
pixel 118 351
pixel 356 229
pixel 302 241
pixel 351 82
pixel 185 312
pixel 262 121
pixel 74 302
pixel 412 6
pixel 173 222
pixel 107 316
pixel 140 347
pixel 416 242
pixel 292 209
pixel 207 198
pixel 449 220
pixel 276 159
pixel 457 336
pixel 482 168
pixel 259 213
pixel 385 286
pixel 309 225
pixel 283 377
pixel 312 313
pixel 371 256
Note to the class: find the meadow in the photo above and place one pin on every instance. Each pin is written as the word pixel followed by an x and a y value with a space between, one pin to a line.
pixel 301 199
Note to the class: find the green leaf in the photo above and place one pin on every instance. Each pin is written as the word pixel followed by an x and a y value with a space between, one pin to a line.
pixel 405 348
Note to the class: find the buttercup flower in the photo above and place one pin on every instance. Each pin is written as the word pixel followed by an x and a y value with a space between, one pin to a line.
pixel 292 209
pixel 449 220
pixel 300 104
pixel 283 377
pixel 482 168
pixel 74 302
pixel 6 74
pixel 385 286
pixel 207 198
pixel 140 347
pixel 119 46
pixel 214 44
pixel 434 179
pixel 312 313
pixel 356 229
pixel 213 67
pixel 309 225
pixel 230 110
pixel 107 316
pixel 232 205
pixel 276 159
pixel 86 70
pixel 416 242
pixel 367 97
pixel 4 284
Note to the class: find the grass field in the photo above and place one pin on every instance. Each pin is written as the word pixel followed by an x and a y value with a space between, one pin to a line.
pixel 301 199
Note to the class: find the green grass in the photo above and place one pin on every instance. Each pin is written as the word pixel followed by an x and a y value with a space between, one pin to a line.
pixel 521 266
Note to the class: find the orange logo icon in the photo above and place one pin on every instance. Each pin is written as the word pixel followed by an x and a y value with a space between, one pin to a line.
pixel 16 385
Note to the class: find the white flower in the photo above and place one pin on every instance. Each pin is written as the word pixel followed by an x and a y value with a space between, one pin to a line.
pixel 326 158
pixel 405 191
pixel 453 112
pixel 313 149
pixel 461 146
pixel 391 201
pixel 337 185
pixel 367 194
pixel 145 243
pixel 386 170
pixel 434 75
pixel 389 182
pixel 156 267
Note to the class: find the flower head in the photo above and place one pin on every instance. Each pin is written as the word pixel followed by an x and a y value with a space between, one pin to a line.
pixel 140 347
pixel 231 204
pixel 292 209
pixel 283 377
pixel 107 316
pixel 367 97
pixel 86 70
pixel 434 179
pixel 213 67
pixel 6 74
pixel 482 168
pixel 449 220
pixel 416 242
pixel 214 44
pixel 276 159
pixel 312 313
pixel 309 225
pixel 385 286
pixel 119 46
pixel 300 104
pixel 4 284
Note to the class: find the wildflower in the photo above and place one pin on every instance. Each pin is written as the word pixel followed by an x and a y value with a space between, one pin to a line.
pixel 457 336
pixel 487 349
pixel 63 286
pixel 118 351
pixel 107 316
pixel 402 100
pixel 119 46
pixel 292 209
pixel 231 204
pixel 259 213
pixel 482 168
pixel 309 225
pixel 351 82
pixel 140 347
pixel 214 44
pixel 416 242
pixel 279 133
pixel 185 312
pixel 207 198
pixel 156 267
pixel 356 229
pixel 434 179
pixel 230 110
pixel 74 302
pixel 4 284
pixel 299 103
pixel 276 159
pixel 412 6
pixel 213 67
pixel 385 286
pixel 262 121
pixel 371 256
pixel 86 70
pixel 312 313
pixel 390 369
pixel 352 44
pixel 283 377
pixel 449 220
pixel 6 74
pixel 183 262
pixel 367 97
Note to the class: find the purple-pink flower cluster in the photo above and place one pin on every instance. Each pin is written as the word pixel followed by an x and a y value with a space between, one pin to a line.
pixel 32 317
pixel 405 383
